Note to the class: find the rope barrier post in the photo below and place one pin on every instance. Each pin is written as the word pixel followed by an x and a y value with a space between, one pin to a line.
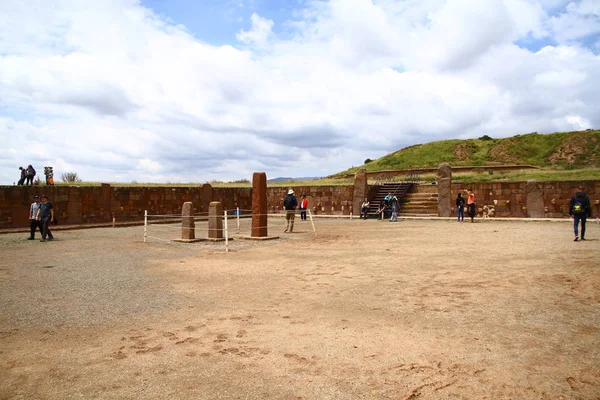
pixel 350 214
pixel 145 226
pixel 226 234
pixel 237 213
pixel 311 221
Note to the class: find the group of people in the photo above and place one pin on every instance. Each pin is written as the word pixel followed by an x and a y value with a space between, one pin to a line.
pixel 28 175
pixel 41 214
pixel 289 204
pixel 460 206
pixel 390 203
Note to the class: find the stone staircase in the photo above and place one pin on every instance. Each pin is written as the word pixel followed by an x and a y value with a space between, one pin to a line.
pixel 421 202
pixel 399 190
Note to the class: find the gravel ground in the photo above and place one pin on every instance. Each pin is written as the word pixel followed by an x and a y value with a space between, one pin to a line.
pixel 361 309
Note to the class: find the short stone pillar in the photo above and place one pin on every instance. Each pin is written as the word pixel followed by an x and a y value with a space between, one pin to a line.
pixel 360 188
pixel 535 200
pixel 444 190
pixel 259 205
pixel 188 226
pixel 215 220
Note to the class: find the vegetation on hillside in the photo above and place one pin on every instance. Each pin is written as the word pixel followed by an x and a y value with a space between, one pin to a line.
pixel 561 150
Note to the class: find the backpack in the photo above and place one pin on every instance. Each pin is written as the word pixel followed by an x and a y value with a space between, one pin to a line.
pixel 578 207
pixel 288 203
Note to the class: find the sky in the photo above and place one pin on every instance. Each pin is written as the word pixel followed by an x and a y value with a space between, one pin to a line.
pixel 194 91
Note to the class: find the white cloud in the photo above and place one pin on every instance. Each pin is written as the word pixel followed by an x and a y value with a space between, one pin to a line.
pixel 259 34
pixel 113 92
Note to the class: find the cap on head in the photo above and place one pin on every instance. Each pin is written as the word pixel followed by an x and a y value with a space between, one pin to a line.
pixel 45 197
pixel 37 196
pixel 291 191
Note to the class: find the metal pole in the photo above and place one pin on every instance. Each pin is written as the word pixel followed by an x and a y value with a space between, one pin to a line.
pixel 226 235
pixel 145 225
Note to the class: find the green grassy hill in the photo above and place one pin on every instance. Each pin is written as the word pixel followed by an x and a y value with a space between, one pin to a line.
pixel 561 150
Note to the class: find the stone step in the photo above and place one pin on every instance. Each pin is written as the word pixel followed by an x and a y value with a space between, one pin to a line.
pixel 427 203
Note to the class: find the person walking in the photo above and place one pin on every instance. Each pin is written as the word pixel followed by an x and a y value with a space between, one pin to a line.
pixel 23 176
pixel 460 208
pixel 471 204
pixel 395 204
pixel 580 208
pixel 34 224
pixel 303 207
pixel 29 174
pixel 290 203
pixel 45 215
pixel 364 208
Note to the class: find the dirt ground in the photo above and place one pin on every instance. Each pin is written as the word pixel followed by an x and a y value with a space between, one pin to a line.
pixel 426 309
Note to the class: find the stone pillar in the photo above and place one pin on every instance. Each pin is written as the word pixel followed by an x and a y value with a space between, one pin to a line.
pixel 444 190
pixel 259 204
pixel 215 220
pixel 360 188
pixel 535 200
pixel 188 226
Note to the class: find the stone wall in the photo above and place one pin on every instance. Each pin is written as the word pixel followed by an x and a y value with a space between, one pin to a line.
pixel 512 197
pixel 88 205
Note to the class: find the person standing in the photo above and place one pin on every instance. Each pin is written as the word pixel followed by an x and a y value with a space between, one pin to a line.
pixel 580 208
pixel 34 224
pixel 471 204
pixel 303 207
pixel 460 208
pixel 364 208
pixel 395 204
pixel 45 215
pixel 23 176
pixel 290 203
pixel 29 174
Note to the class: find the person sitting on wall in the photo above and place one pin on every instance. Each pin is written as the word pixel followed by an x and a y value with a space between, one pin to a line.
pixel 364 208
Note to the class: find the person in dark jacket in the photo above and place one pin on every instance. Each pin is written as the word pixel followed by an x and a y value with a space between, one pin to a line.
pixel 45 215
pixel 460 208
pixel 290 203
pixel 29 174
pixel 580 208
pixel 23 176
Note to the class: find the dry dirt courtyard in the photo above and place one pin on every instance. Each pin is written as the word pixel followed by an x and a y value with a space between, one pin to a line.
pixel 419 309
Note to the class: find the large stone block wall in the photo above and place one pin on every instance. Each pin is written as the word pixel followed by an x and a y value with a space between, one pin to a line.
pixel 88 205
pixel 512 196
pixel 321 199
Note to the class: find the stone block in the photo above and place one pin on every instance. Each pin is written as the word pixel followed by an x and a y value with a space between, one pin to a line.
pixel 215 220
pixel 188 226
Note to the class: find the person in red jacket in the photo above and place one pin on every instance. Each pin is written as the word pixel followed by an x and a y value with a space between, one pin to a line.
pixel 303 207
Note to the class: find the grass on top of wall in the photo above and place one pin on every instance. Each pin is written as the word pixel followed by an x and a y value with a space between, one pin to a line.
pixel 541 175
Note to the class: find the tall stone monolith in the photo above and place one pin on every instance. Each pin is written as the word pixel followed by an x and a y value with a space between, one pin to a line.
pixel 535 200
pixel 259 205
pixel 188 226
pixel 444 190
pixel 360 189
pixel 215 220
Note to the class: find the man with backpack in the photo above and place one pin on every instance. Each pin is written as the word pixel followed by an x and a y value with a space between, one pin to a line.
pixel 580 208
pixel 290 203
